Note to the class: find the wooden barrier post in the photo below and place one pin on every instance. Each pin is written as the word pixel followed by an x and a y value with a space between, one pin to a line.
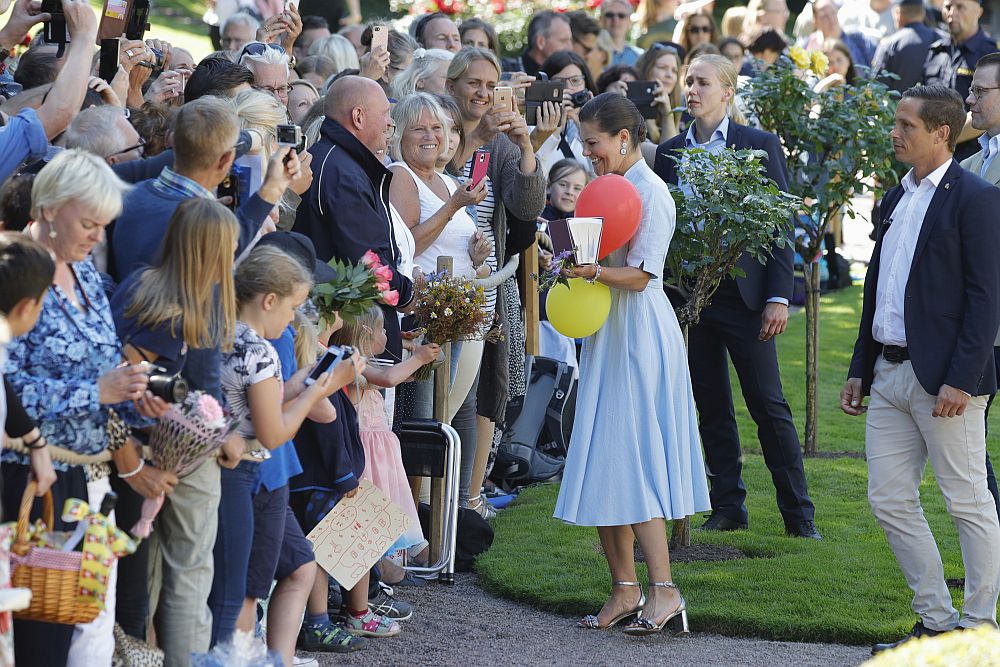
pixel 442 385
pixel 532 309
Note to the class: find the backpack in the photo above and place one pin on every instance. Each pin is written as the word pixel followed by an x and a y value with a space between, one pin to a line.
pixel 534 444
pixel 474 536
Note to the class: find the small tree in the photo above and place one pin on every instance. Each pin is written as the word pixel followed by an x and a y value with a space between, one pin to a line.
pixel 835 141
pixel 728 207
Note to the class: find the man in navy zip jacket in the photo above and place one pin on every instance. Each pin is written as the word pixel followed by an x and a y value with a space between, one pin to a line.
pixel 346 209
pixel 741 322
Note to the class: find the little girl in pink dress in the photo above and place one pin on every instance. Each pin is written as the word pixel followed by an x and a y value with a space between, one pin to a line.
pixel 383 459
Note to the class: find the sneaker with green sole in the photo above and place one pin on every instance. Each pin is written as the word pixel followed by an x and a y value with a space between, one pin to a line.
pixel 329 639
pixel 371 625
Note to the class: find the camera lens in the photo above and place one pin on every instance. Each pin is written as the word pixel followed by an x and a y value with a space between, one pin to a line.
pixel 171 388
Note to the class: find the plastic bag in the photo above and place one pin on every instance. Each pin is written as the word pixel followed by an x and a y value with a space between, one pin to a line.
pixel 243 650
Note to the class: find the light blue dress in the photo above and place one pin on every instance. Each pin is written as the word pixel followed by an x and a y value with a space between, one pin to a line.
pixel 635 453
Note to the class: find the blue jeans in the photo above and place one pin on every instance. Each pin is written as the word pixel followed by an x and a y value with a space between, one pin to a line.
pixel 232 548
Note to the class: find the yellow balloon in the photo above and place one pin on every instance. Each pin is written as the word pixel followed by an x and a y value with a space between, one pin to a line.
pixel 579 310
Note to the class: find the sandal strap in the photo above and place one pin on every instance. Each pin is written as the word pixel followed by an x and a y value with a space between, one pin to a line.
pixel 625 583
pixel 641 622
pixel 590 621
pixel 664 584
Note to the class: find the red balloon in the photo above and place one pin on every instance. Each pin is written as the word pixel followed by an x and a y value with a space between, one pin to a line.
pixel 615 199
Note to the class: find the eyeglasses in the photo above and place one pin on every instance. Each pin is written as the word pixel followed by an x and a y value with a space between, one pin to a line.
pixel 141 147
pixel 258 49
pixel 270 90
pixel 571 80
pixel 695 29
pixel 616 15
pixel 587 50
pixel 391 129
pixel 978 91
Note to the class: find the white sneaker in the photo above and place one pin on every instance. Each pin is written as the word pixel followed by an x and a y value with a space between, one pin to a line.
pixel 298 661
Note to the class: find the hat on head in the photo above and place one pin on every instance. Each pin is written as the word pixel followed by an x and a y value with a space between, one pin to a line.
pixel 301 248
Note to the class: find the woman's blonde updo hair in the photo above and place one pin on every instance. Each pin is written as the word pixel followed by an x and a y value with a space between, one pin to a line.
pixel 729 78
pixel 464 59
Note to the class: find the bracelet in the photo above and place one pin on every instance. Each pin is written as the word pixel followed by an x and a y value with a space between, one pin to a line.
pixel 142 464
pixel 596 276
pixel 34 443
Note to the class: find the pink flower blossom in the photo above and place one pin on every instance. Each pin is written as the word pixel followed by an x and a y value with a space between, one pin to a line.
pixel 209 408
pixel 391 297
pixel 371 260
pixel 382 286
pixel 383 273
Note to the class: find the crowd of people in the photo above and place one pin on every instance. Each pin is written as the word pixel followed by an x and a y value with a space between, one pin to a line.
pixel 157 222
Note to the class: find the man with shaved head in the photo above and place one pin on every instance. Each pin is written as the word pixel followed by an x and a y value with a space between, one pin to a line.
pixel 346 209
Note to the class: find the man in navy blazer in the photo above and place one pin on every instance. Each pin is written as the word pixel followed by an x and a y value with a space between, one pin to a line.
pixel 742 320
pixel 925 356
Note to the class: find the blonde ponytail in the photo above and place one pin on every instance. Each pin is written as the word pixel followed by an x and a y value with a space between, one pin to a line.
pixel 729 77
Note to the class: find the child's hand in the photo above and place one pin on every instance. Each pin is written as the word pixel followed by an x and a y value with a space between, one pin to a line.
pixel 345 372
pixel 322 387
pixel 428 353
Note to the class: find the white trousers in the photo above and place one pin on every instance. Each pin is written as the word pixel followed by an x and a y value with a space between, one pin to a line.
pixel 94 643
pixel 901 434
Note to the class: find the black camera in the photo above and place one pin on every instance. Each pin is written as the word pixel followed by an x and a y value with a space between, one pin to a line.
pixel 171 388
pixel 580 98
pixel 157 60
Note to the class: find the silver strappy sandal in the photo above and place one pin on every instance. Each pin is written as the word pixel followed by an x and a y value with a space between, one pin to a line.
pixel 591 623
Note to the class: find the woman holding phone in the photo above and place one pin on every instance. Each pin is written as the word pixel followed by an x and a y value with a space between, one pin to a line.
pixel 515 197
pixel 435 208
pixel 563 140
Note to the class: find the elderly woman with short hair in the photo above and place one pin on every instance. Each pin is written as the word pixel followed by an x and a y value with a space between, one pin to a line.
pixel 68 372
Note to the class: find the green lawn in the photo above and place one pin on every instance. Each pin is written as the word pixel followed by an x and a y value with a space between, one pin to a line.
pixel 846 589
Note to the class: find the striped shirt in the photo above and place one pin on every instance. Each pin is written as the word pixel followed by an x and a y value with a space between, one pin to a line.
pixel 484 223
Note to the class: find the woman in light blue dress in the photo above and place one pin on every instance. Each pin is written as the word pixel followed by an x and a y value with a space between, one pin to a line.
pixel 635 457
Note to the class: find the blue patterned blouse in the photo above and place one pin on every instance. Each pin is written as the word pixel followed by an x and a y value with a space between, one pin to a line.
pixel 54 368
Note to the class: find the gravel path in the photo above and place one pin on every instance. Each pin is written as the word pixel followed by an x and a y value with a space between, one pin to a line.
pixel 463 625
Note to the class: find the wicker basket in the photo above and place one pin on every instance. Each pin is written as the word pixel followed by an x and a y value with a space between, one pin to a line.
pixel 52 575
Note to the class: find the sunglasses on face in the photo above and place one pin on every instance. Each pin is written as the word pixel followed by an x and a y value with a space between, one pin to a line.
pixel 616 15
pixel 695 29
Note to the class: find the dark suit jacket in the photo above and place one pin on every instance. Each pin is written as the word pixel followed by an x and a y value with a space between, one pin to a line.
pixel 952 306
pixel 761 282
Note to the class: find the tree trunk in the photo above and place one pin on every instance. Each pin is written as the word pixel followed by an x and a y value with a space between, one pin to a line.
pixel 812 355
pixel 680 533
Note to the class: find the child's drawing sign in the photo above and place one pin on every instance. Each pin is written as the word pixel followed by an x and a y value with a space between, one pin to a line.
pixel 356 533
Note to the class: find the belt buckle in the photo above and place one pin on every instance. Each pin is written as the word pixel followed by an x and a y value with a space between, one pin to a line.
pixel 892 354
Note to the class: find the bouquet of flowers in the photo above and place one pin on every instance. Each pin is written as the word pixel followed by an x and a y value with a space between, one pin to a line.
pixel 450 309
pixel 182 440
pixel 553 276
pixel 356 289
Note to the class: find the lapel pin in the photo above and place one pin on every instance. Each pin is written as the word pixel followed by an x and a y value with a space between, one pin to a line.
pixel 947 186
pixel 733 146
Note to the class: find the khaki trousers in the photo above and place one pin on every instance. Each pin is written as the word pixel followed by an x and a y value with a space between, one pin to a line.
pixel 901 434
pixel 182 565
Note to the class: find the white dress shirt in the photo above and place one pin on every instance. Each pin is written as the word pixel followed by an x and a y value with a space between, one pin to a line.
pixel 896 258
pixel 991 146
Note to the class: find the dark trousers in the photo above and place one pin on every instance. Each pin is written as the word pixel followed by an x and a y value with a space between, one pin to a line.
pixel 41 643
pixel 132 602
pixel 728 329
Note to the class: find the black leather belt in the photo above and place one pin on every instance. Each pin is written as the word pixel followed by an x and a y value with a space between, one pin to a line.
pixel 895 354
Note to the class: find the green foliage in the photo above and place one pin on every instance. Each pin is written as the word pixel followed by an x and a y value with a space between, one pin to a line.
pixel 731 207
pixel 835 140
pixel 351 294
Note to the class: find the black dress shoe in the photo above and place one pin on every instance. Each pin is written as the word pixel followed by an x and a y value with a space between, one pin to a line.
pixel 805 529
pixel 719 522
pixel 918 631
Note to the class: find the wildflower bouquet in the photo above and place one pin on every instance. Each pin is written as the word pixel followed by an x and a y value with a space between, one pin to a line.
pixel 182 440
pixel 553 276
pixel 356 289
pixel 450 309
